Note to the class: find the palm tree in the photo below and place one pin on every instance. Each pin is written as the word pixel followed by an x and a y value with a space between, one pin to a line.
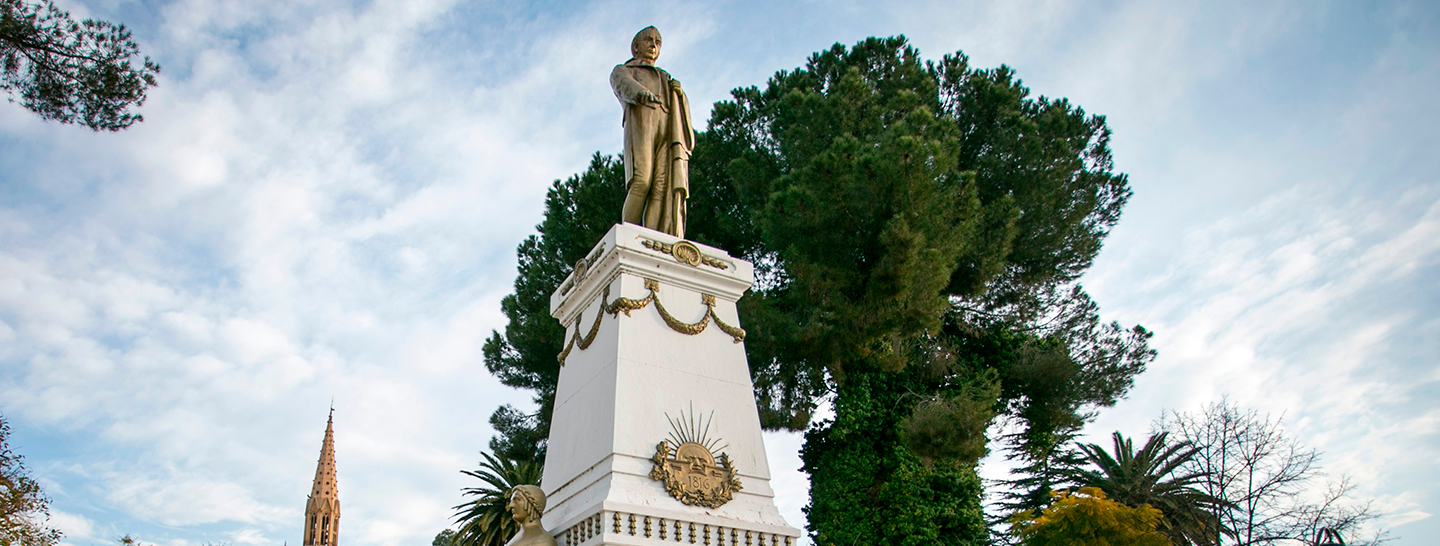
pixel 485 521
pixel 1149 476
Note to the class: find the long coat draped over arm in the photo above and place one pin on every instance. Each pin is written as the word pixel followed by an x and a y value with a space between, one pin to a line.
pixel 673 157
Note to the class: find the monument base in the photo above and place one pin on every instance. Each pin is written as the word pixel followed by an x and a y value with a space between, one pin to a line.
pixel 655 436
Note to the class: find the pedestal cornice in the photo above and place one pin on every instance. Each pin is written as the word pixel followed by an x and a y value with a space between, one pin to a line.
pixel 628 248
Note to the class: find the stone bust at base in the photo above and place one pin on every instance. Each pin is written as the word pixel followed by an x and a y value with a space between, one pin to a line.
pixel 527 504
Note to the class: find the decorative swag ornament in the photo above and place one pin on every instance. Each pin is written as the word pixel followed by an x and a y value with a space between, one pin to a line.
pixel 626 305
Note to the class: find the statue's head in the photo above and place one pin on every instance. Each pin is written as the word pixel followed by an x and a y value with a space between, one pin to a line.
pixel 527 503
pixel 646 45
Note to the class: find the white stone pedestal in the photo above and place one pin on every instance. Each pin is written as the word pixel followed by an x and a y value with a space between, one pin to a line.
pixel 636 380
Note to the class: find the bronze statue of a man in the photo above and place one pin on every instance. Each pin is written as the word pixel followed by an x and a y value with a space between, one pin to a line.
pixel 658 138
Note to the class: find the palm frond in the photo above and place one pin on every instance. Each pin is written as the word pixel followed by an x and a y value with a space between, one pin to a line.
pixel 1148 477
pixel 485 520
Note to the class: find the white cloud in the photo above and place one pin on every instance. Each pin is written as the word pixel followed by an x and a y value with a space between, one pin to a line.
pixel 1301 314
pixel 77 529
pixel 187 498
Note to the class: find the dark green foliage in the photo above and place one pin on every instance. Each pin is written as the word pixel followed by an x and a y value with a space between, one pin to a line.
pixel 444 538
pixel 951 426
pixel 850 181
pixel 1053 377
pixel 522 436
pixel 1043 199
pixel 71 72
pixel 578 211
pixel 485 520
pixel 867 488
pixel 1046 160
pixel 1153 476
pixel 1052 163
pixel 902 210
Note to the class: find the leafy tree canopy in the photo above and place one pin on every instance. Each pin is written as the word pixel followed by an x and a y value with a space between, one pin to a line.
pixel 446 537
pixel 1087 518
pixel 870 486
pixel 905 213
pixel 88 72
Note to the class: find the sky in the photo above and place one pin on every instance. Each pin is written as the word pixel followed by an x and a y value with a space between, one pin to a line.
pixel 324 200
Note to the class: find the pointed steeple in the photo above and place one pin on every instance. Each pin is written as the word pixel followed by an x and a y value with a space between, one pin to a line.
pixel 322 511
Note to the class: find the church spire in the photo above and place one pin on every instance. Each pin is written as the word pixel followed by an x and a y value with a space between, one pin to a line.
pixel 322 511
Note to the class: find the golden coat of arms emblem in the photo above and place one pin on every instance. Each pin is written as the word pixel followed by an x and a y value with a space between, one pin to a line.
pixel 691 471
pixel 693 476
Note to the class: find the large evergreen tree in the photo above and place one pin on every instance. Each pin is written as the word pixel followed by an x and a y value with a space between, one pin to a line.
pixel 917 229
pixel 926 219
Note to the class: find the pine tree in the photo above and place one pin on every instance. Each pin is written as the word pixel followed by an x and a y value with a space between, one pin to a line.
pixel 910 214
pixel 86 72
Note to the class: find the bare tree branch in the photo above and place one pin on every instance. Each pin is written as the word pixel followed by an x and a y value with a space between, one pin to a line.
pixel 1266 480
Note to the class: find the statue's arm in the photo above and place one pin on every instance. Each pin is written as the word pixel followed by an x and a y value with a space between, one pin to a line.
pixel 626 88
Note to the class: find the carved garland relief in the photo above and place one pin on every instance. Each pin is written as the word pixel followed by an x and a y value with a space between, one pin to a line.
pixel 626 305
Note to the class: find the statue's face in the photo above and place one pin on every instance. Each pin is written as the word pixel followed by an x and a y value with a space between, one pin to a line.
pixel 647 47
pixel 518 508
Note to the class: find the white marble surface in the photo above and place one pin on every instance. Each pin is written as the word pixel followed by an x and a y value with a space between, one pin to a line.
pixel 616 399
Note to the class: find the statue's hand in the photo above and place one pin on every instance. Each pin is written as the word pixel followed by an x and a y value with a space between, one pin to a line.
pixel 646 97
pixel 674 84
